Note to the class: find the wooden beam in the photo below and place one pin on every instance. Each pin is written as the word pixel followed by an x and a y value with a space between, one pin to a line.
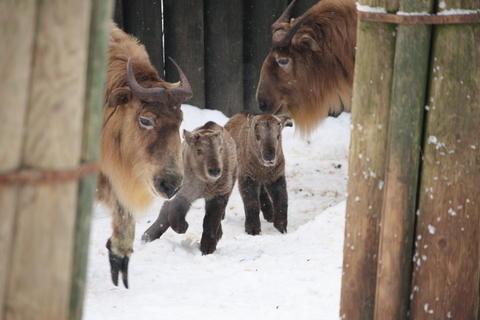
pixel 224 56
pixel 366 174
pixel 184 42
pixel 16 57
pixel 447 245
pixel 101 14
pixel 409 88
pixel 42 251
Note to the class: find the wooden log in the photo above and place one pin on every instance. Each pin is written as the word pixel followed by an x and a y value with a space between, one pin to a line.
pixel 101 15
pixel 41 259
pixel 143 19
pixel 403 165
pixel 258 17
pixel 369 128
pixel 224 56
pixel 16 56
pixel 184 42
pixel 447 248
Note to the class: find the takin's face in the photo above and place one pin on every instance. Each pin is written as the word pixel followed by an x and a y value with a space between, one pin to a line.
pixel 147 146
pixel 204 150
pixel 266 133
pixel 141 146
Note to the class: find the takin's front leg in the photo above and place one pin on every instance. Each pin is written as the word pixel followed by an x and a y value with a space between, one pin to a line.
pixel 212 223
pixel 120 244
pixel 249 190
pixel 278 193
pixel 266 204
pixel 160 225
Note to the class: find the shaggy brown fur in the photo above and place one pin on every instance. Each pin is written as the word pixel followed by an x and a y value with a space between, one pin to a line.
pixel 261 168
pixel 140 145
pixel 210 166
pixel 312 76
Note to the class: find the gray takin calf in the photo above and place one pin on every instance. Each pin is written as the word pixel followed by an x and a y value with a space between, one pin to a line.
pixel 140 155
pixel 261 168
pixel 210 168
pixel 308 74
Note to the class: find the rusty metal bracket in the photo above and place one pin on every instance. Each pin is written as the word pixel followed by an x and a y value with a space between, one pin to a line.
pixel 35 176
pixel 418 19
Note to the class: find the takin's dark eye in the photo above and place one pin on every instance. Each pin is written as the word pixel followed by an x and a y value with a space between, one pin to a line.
pixel 199 151
pixel 283 62
pixel 146 123
pixel 258 137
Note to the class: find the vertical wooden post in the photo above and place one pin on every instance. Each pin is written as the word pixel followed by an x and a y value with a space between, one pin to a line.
pixel 16 56
pixel 403 164
pixel 369 128
pixel 143 19
pixel 102 11
pixel 258 17
pixel 224 56
pixel 447 248
pixel 41 257
pixel 184 42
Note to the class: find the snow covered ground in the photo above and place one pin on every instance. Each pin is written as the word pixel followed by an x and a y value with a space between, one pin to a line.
pixel 270 276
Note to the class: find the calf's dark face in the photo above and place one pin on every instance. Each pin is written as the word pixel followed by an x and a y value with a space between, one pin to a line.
pixel 205 152
pixel 266 131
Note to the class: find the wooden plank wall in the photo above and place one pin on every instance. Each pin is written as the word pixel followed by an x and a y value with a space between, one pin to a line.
pixel 220 45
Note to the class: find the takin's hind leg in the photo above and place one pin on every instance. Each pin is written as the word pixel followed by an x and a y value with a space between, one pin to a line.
pixel 212 223
pixel 266 205
pixel 120 244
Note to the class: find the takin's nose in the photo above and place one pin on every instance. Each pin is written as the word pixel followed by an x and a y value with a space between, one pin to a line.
pixel 214 172
pixel 269 157
pixel 262 106
pixel 168 187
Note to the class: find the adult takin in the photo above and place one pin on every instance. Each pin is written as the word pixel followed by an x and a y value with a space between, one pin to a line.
pixel 210 167
pixel 140 156
pixel 261 168
pixel 308 73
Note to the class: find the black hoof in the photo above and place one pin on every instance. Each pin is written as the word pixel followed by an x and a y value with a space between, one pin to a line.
pixel 118 265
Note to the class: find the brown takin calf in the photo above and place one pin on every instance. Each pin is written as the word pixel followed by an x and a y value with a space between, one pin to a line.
pixel 261 168
pixel 308 74
pixel 210 168
pixel 140 155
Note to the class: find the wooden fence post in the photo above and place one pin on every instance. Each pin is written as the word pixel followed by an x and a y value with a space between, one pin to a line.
pixel 144 20
pixel 184 42
pixel 41 253
pixel 97 61
pixel 366 173
pixel 257 42
pixel 403 164
pixel 16 57
pixel 447 246
pixel 224 56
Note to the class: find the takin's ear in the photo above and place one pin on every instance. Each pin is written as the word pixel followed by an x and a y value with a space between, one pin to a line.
pixel 251 119
pixel 187 135
pixel 306 41
pixel 286 121
pixel 119 96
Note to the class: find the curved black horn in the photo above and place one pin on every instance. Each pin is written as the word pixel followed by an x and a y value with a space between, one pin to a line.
pixel 146 94
pixel 285 17
pixel 282 38
pixel 183 92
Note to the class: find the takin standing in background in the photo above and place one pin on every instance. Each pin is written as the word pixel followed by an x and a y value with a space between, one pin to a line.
pixel 210 168
pixel 308 74
pixel 261 168
pixel 140 145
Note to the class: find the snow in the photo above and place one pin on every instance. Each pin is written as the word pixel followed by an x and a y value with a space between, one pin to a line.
pixel 269 276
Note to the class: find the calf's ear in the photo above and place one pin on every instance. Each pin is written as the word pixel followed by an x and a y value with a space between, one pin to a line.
pixel 187 135
pixel 286 121
pixel 119 96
